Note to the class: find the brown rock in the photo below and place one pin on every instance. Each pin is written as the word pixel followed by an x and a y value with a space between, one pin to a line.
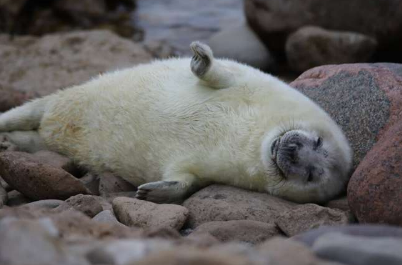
pixel 274 20
pixel 314 46
pixel 56 160
pixel 57 61
pixel 224 203
pixel 239 230
pixel 308 216
pixel 109 183
pixel 288 252
pixel 364 99
pixel 86 204
pixel 375 189
pixel 137 213
pixel 36 180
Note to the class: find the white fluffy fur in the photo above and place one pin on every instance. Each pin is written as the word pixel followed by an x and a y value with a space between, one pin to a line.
pixel 158 121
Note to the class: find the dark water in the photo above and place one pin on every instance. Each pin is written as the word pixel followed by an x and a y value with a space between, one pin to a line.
pixel 179 22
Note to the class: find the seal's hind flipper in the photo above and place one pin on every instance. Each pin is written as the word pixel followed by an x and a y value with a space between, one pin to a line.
pixel 206 68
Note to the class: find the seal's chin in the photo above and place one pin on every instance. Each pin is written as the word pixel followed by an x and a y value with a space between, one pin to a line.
pixel 274 155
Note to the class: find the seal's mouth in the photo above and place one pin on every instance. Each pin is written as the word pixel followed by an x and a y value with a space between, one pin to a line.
pixel 274 153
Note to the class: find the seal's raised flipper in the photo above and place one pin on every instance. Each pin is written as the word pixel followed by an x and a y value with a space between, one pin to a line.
pixel 206 68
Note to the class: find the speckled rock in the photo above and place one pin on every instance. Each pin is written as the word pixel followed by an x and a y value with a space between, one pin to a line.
pixel 35 180
pixel 310 46
pixel 45 64
pixel 275 20
pixel 144 214
pixel 364 99
pixel 239 230
pixel 375 189
pixel 304 217
pixel 86 204
pixel 224 203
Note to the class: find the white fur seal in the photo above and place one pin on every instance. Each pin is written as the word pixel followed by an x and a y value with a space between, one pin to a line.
pixel 171 130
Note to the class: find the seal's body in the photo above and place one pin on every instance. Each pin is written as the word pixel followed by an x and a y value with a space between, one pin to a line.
pixel 171 130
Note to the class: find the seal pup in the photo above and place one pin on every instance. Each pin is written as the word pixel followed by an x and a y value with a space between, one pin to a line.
pixel 171 127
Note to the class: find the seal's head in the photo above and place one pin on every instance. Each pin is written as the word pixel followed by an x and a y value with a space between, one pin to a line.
pixel 306 165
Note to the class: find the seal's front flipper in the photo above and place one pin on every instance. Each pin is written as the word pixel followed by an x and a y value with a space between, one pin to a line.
pixel 206 68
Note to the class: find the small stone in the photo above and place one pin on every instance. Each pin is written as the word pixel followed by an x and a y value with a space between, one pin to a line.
pixel 359 250
pixel 106 216
pixel 33 242
pixel 308 216
pixel 38 181
pixel 91 182
pixel 148 215
pixel 3 196
pixel 283 251
pixel 16 198
pixel 46 203
pixel 310 46
pixel 125 251
pixel 86 204
pixel 239 230
pixel 361 230
pixel 110 183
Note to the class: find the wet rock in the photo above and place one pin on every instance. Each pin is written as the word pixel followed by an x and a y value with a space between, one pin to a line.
pixel 224 203
pixel 33 242
pixel 3 196
pixel 240 43
pixel 86 204
pixel 35 180
pixel 183 25
pixel 16 198
pixel 109 183
pixel 91 182
pixel 56 160
pixel 51 204
pixel 275 20
pixel 288 252
pixel 304 217
pixel 125 251
pixel 359 250
pixel 368 93
pixel 239 230
pixel 314 46
pixel 375 189
pixel 10 97
pixel 369 231
pixel 144 214
pixel 57 61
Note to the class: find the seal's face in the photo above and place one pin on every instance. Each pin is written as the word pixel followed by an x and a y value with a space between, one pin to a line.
pixel 305 166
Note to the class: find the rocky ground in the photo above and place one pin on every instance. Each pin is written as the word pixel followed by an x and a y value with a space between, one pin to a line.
pixel 55 212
